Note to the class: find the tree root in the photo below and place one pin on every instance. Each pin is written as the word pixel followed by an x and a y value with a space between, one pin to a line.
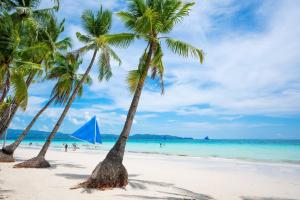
pixel 36 162
pixel 106 175
pixel 6 158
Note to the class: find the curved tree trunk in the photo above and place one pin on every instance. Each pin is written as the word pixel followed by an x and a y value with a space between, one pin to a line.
pixel 9 150
pixel 111 173
pixel 39 161
pixel 6 88
pixel 7 117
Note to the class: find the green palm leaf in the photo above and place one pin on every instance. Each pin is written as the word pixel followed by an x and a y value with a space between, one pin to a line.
pixel 133 79
pixel 104 66
pixel 120 40
pixel 20 89
pixel 184 49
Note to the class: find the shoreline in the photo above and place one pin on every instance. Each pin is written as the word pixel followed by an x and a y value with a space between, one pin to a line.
pixel 246 160
pixel 151 176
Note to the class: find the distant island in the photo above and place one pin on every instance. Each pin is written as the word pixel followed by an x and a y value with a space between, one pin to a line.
pixel 42 135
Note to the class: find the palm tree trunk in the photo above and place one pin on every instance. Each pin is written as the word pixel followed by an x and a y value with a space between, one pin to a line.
pixel 39 161
pixel 7 117
pixel 117 152
pixel 69 104
pixel 111 172
pixel 9 150
pixel 6 88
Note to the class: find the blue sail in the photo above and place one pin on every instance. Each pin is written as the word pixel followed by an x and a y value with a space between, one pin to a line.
pixel 89 132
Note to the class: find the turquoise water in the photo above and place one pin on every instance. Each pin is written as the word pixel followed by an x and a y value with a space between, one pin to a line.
pixel 255 150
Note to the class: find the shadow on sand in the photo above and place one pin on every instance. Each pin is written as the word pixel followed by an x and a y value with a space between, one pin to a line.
pixel 163 190
pixel 81 176
pixel 174 193
pixel 264 198
pixel 73 176
pixel 68 165
pixel 4 194
pixel 54 164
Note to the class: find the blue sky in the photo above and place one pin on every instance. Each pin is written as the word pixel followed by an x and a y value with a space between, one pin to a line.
pixel 248 87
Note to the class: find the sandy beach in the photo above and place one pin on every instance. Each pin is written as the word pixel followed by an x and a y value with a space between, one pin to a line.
pixel 151 177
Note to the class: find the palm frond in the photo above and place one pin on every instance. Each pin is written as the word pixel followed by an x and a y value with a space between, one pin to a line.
pixel 98 24
pixel 158 67
pixel 64 44
pixel 20 89
pixel 120 40
pixel 114 55
pixel 65 72
pixel 36 51
pixel 83 49
pixel 184 49
pixel 88 81
pixel 104 66
pixel 83 38
pixel 133 79
pixel 128 19
pixel 134 76
pixel 183 12
pixel 145 23
pixel 137 7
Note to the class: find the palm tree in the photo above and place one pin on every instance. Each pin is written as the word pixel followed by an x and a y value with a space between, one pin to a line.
pixel 23 9
pixel 19 85
pixel 9 43
pixel 151 20
pixel 40 47
pixel 23 15
pixel 99 40
pixel 67 79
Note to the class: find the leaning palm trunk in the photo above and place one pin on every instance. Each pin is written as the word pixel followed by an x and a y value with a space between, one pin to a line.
pixel 7 116
pixel 10 112
pixel 111 172
pixel 3 95
pixel 5 90
pixel 40 161
pixel 6 154
pixel 6 87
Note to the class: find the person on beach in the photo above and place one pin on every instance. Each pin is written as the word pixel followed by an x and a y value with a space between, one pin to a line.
pixel 66 147
pixel 74 146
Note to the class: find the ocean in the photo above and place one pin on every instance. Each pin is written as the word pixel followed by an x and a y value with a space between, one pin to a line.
pixel 250 150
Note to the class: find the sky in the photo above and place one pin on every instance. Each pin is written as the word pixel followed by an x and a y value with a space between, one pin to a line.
pixel 247 87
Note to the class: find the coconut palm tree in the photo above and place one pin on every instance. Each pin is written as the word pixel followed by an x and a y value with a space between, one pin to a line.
pixel 11 72
pixel 10 27
pixel 151 20
pixel 67 78
pixel 24 15
pixel 99 40
pixel 9 43
pixel 37 50
pixel 28 8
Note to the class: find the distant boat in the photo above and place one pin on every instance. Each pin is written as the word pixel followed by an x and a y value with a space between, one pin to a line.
pixel 89 132
pixel 206 138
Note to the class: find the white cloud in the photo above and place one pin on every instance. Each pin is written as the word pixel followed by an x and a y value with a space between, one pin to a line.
pixel 254 72
pixel 244 73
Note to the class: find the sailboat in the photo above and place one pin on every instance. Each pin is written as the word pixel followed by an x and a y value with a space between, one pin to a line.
pixel 89 132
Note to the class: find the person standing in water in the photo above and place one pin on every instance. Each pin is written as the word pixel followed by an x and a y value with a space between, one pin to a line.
pixel 66 147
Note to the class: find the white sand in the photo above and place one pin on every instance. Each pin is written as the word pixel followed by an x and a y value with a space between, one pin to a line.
pixel 151 177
